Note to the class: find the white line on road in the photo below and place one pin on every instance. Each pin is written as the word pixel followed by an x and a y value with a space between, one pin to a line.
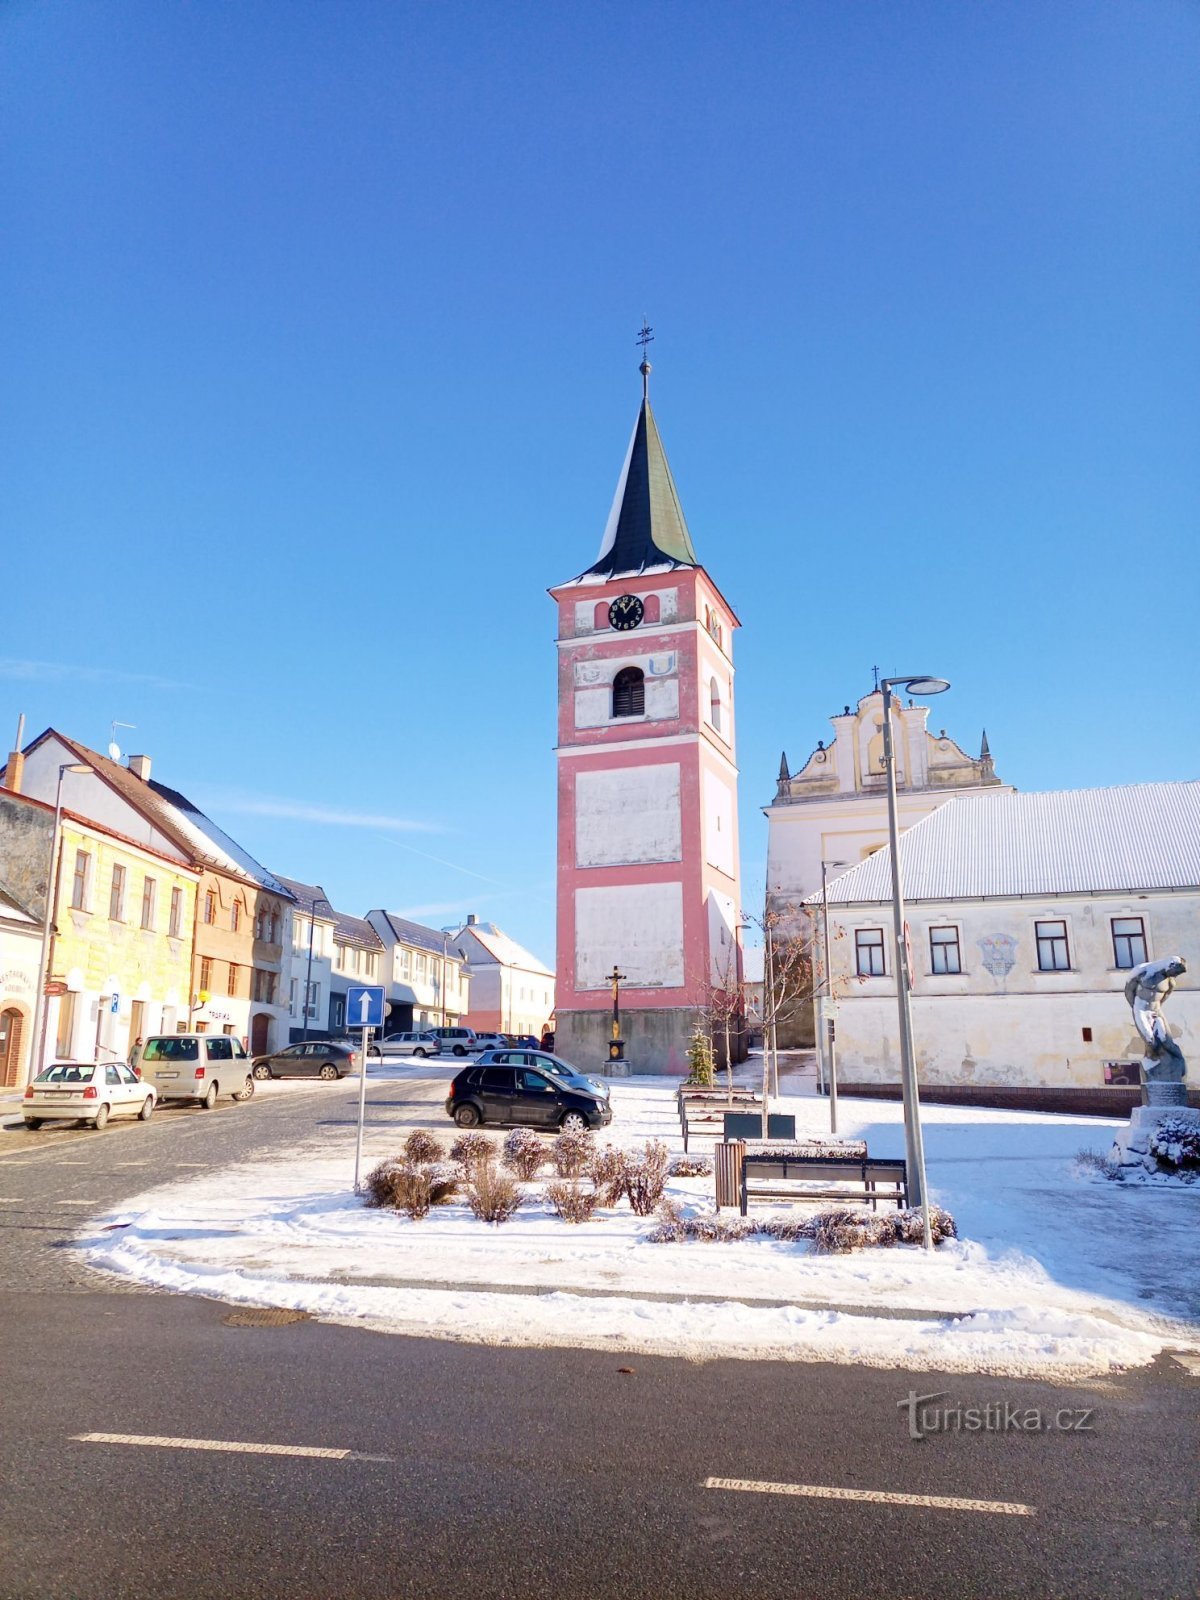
pixel 819 1491
pixel 77 1202
pixel 232 1446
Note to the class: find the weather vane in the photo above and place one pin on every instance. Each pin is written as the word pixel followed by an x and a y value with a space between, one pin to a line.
pixel 645 337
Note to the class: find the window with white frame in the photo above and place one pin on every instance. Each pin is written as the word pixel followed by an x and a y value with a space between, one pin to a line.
pixel 176 922
pixel 868 952
pixel 944 953
pixel 1129 941
pixel 1053 954
pixel 149 902
pixel 313 1003
pixel 116 895
pixel 81 886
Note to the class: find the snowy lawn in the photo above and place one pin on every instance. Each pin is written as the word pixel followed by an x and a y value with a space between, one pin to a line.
pixel 1055 1271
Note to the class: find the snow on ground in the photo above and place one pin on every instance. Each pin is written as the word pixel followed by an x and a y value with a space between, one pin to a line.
pixel 1054 1272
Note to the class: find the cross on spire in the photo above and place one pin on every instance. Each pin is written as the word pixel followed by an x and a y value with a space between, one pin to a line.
pixel 645 337
pixel 875 670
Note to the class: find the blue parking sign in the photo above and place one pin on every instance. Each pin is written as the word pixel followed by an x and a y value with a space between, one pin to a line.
pixel 364 1006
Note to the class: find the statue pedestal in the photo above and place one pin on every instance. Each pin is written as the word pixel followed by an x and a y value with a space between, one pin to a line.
pixel 1131 1147
pixel 618 1067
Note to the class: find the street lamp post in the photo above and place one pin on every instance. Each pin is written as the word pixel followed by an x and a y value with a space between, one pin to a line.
pixel 52 877
pixel 830 1043
pixel 914 1145
pixel 312 928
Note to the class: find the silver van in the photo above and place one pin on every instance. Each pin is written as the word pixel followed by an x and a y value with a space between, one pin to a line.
pixel 195 1067
pixel 457 1041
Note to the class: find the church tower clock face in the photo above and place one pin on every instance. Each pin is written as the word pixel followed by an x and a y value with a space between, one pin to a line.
pixel 625 612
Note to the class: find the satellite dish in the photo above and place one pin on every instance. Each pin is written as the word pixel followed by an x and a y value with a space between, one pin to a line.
pixel 114 751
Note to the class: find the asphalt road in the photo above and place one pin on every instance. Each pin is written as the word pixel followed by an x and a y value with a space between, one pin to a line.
pixel 480 1472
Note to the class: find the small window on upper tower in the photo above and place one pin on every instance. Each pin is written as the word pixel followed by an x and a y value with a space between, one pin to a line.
pixel 714 703
pixel 653 609
pixel 629 693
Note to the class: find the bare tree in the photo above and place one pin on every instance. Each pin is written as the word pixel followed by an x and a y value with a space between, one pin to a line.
pixel 787 986
pixel 725 1008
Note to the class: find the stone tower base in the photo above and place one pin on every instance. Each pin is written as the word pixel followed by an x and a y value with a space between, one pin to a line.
pixel 655 1041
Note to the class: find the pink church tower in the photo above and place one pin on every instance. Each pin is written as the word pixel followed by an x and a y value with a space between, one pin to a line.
pixel 647 779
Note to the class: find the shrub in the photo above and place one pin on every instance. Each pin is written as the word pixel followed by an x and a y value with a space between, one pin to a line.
pixel 571 1200
pixel 908 1230
pixel 377 1185
pixel 700 1060
pixel 524 1152
pixel 571 1151
pixel 690 1167
pixel 646 1177
pixel 493 1195
pixel 607 1170
pixel 831 1232
pixel 674 1228
pixel 1175 1144
pixel 473 1150
pixel 422 1146
pixel 409 1187
pixel 1090 1161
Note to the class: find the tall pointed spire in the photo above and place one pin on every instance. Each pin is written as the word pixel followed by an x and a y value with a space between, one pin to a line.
pixel 985 753
pixel 646 529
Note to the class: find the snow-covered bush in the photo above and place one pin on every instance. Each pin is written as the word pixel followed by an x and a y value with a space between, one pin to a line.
pixel 690 1166
pixel 700 1060
pixel 421 1146
pixel 571 1200
pixel 831 1232
pixel 473 1150
pixel 1175 1144
pixel 411 1187
pixel 524 1152
pixel 1088 1162
pixel 493 1195
pixel 646 1177
pixel 571 1151
pixel 608 1169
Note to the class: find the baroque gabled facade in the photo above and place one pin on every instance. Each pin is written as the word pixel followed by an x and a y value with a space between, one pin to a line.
pixel 648 876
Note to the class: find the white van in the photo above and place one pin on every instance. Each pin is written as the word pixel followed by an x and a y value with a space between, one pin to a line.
pixel 196 1067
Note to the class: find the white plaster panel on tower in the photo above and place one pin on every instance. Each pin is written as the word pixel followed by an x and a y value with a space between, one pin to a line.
pixel 628 816
pixel 637 926
pixel 593 707
pixel 718 824
pixel 662 699
pixel 722 940
pixel 585 616
pixel 668 600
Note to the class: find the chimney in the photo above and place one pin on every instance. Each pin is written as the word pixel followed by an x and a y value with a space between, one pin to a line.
pixel 472 919
pixel 140 767
pixel 14 771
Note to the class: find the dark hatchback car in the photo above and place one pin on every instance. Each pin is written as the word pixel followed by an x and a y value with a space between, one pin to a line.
pixel 318 1058
pixel 523 1096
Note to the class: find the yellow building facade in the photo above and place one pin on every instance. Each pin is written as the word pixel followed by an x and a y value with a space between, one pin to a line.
pixel 124 927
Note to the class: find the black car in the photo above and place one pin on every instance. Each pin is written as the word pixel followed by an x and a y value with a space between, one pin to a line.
pixel 318 1058
pixel 523 1096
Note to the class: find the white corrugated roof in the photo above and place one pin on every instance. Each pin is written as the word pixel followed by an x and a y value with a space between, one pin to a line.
pixel 1068 841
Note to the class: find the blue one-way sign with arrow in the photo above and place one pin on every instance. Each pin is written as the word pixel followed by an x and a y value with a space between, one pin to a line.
pixel 364 1006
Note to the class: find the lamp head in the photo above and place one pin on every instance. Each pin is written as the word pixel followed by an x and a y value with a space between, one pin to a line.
pixel 918 685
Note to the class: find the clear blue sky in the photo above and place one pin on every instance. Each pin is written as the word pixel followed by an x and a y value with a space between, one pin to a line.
pixel 319 367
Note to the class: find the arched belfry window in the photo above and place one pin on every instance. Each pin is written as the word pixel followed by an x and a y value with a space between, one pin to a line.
pixel 629 693
pixel 714 703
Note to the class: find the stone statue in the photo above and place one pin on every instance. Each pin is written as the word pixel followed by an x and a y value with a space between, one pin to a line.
pixel 1146 989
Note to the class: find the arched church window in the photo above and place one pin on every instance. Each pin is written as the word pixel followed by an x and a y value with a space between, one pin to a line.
pixel 714 703
pixel 629 693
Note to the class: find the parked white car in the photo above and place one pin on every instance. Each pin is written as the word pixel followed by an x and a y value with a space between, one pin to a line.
pixel 406 1044
pixel 87 1091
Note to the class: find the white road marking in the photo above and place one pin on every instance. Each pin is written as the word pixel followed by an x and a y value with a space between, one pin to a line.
pixel 819 1491
pixel 231 1446
pixel 77 1202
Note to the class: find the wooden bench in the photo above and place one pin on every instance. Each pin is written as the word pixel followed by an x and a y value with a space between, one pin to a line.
pixel 821 1177
pixel 705 1112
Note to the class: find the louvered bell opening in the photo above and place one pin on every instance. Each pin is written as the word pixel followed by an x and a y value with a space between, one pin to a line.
pixel 629 693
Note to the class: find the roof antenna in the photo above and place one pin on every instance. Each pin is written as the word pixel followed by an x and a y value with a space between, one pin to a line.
pixel 645 337
pixel 114 749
